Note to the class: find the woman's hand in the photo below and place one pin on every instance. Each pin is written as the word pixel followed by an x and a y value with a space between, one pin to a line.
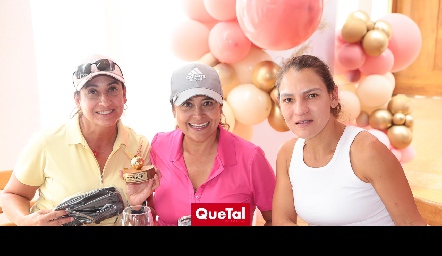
pixel 139 192
pixel 45 218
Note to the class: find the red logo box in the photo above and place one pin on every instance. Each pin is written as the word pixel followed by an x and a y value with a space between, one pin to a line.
pixel 220 214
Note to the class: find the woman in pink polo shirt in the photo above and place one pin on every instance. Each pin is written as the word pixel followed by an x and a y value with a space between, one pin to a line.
pixel 201 161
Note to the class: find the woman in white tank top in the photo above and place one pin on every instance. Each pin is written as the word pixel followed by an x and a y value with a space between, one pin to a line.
pixel 332 174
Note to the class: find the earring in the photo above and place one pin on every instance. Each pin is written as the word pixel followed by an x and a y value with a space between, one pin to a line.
pixel 125 106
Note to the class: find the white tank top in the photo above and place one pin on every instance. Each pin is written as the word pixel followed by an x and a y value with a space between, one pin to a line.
pixel 333 195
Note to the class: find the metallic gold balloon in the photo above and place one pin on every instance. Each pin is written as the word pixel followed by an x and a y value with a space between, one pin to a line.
pixel 362 119
pixel 264 75
pixel 353 30
pixel 276 120
pixel 380 119
pixel 370 25
pixel 399 103
pixel 400 136
pixel 137 162
pixel 274 95
pixel 409 121
pixel 399 118
pixel 360 15
pixel 375 42
pixel 385 27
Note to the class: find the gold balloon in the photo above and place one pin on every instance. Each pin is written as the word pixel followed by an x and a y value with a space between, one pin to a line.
pixel 276 120
pixel 360 15
pixel 399 118
pixel 400 136
pixel 380 119
pixel 227 77
pixel 385 27
pixel 353 30
pixel 209 59
pixel 375 42
pixel 274 95
pixel 409 121
pixel 362 119
pixel 370 25
pixel 399 103
pixel 264 75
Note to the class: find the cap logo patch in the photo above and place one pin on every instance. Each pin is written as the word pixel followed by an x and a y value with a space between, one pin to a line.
pixel 195 75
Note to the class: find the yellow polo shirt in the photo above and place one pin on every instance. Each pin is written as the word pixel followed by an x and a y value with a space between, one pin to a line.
pixel 61 163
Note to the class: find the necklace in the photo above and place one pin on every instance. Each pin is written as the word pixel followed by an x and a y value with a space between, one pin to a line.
pixel 97 153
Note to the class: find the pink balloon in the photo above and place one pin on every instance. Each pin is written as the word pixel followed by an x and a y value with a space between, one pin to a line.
pixel 195 10
pixel 408 154
pixel 227 42
pixel 378 64
pixel 405 42
pixel 279 24
pixel 382 136
pixel 221 10
pixel 397 153
pixel 351 56
pixel 190 46
pixel 244 68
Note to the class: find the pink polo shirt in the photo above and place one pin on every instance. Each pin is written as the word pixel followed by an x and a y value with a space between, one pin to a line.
pixel 241 174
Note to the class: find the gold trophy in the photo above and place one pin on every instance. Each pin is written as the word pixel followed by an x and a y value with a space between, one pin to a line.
pixel 139 172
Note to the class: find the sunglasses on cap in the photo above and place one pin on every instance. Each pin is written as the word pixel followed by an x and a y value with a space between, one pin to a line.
pixel 102 65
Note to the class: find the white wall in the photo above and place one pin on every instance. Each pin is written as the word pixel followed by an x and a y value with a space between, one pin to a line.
pixel 42 41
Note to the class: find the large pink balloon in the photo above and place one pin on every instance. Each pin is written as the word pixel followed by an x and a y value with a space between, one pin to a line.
pixel 405 42
pixel 221 10
pixel 279 24
pixel 227 42
pixel 190 46
pixel 378 64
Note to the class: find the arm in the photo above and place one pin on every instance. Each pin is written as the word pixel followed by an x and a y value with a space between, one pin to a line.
pixel 373 162
pixel 284 213
pixel 16 198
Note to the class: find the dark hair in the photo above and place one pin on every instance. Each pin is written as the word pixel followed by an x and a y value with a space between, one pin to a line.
pixel 321 69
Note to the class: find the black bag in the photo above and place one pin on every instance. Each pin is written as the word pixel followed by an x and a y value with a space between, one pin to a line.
pixel 93 206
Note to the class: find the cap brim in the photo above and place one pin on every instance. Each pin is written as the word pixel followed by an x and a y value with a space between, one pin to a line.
pixel 181 97
pixel 87 78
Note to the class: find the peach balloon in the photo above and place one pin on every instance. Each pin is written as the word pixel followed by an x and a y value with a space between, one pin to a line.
pixel 350 106
pixel 227 42
pixel 378 64
pixel 244 68
pixel 362 119
pixel 406 40
pixel 196 10
pixel 374 90
pixel 264 75
pixel 250 105
pixel 243 131
pixel 209 59
pixel 190 46
pixel 276 120
pixel 391 78
pixel 351 56
pixel 227 77
pixel 221 10
pixel 279 24
pixel 228 116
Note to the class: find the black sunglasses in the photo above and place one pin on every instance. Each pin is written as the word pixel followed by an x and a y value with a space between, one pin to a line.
pixel 102 65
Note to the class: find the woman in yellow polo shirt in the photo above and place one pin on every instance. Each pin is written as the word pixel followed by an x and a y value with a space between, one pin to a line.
pixel 84 154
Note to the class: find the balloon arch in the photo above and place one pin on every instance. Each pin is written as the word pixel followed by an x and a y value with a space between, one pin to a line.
pixel 233 35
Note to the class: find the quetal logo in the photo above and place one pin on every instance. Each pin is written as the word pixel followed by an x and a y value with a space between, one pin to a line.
pixel 220 214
